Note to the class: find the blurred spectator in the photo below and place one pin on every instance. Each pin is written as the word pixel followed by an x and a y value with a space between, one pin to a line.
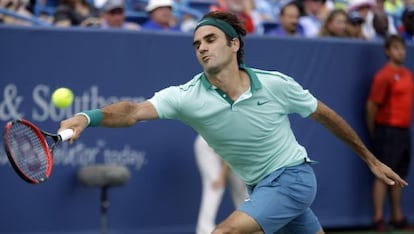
pixel 314 13
pixel 250 9
pixel 238 8
pixel 161 16
pixel 113 16
pixel 394 17
pixel 340 4
pixel 215 176
pixel 17 6
pixel 288 22
pixel 335 24
pixel 263 13
pixel 354 25
pixel 393 8
pixel 187 21
pixel 97 3
pixel 267 10
pixel 389 117
pixel 76 13
pixel 407 28
pixel 366 9
pixel 380 23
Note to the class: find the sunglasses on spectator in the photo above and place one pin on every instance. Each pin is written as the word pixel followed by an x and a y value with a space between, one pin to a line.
pixel 356 23
pixel 116 11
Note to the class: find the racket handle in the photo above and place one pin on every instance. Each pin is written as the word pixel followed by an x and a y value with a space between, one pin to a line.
pixel 66 134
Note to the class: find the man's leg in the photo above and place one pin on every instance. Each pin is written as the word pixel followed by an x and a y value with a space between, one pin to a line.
pixel 394 146
pixel 396 212
pixel 240 223
pixel 378 197
pixel 384 150
pixel 306 223
pixel 274 202
pixel 398 220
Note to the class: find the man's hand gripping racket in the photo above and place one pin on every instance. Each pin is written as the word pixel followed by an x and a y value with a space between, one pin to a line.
pixel 30 150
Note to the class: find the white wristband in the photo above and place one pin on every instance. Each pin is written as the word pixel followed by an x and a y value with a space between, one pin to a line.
pixel 86 116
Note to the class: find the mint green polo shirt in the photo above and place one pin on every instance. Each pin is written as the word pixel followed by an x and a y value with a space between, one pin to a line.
pixel 252 134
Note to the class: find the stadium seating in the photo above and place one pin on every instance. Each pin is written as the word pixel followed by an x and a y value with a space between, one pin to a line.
pixel 34 20
pixel 201 5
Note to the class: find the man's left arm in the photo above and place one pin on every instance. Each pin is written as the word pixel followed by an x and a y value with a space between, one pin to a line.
pixel 340 128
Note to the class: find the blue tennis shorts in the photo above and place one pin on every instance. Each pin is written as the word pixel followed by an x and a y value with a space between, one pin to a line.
pixel 280 202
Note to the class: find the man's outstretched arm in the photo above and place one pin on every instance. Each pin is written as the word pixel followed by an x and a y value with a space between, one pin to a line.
pixel 121 114
pixel 339 127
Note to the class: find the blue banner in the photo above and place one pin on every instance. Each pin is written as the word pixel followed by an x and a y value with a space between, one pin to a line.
pixel 163 194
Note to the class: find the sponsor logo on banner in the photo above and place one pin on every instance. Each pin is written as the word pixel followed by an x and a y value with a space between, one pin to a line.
pixel 37 107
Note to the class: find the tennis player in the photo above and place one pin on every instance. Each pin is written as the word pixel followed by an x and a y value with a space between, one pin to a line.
pixel 242 113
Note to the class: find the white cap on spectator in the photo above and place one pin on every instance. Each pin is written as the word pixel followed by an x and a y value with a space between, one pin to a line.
pixel 154 4
pixel 355 17
pixel 355 4
pixel 113 4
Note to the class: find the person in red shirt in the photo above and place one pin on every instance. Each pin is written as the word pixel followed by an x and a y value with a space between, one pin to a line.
pixel 236 7
pixel 389 114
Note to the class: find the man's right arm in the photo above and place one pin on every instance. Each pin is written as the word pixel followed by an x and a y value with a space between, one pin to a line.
pixel 121 114
pixel 125 114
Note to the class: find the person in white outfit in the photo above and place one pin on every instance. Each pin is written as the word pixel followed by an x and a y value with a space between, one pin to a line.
pixel 366 9
pixel 214 175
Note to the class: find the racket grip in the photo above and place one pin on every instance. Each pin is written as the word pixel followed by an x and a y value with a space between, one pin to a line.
pixel 66 134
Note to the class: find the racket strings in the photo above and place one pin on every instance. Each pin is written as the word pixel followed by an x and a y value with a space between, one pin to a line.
pixel 28 152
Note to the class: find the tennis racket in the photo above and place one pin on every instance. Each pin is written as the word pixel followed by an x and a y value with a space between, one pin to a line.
pixel 30 150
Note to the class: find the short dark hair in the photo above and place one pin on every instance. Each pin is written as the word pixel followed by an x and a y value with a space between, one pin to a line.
pixel 393 38
pixel 237 24
pixel 283 8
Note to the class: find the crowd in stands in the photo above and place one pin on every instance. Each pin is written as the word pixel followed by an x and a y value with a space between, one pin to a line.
pixel 357 19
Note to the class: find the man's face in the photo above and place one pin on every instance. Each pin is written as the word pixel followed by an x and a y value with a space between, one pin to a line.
pixel 115 17
pixel 290 18
pixel 396 52
pixel 162 15
pixel 380 23
pixel 213 51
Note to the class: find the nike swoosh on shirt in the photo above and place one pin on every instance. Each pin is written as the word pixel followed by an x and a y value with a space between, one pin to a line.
pixel 259 103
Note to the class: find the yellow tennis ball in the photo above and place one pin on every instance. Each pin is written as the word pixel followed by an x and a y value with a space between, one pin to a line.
pixel 62 97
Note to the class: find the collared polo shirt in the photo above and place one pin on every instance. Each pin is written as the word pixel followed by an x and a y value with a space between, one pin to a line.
pixel 253 133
